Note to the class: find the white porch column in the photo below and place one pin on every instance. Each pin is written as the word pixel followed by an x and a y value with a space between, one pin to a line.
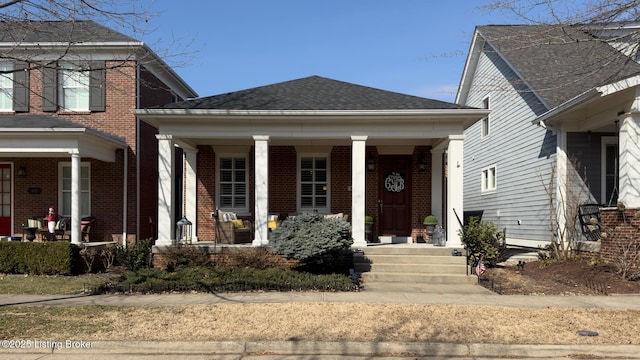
pixel 454 189
pixel 358 189
pixel 76 236
pixel 629 148
pixel 166 188
pixel 261 190
pixel 436 183
pixel 561 184
pixel 190 191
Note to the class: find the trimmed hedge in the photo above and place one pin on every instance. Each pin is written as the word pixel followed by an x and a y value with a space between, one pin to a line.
pixel 40 258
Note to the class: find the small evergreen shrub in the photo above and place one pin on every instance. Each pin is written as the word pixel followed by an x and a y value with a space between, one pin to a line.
pixel 183 255
pixel 136 256
pixel 310 238
pixel 481 241
pixel 50 258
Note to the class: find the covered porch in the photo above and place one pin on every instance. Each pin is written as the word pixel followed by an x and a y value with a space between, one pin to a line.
pixel 45 161
pixel 349 149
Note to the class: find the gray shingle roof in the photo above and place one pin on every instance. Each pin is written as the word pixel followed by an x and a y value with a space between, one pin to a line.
pixel 58 31
pixel 558 63
pixel 312 93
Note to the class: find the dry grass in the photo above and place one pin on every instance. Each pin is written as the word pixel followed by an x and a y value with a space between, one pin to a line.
pixel 324 321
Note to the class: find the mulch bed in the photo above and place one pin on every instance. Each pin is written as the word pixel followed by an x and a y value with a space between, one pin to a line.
pixel 574 277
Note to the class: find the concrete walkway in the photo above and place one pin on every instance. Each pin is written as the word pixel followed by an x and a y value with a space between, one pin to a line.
pixel 271 350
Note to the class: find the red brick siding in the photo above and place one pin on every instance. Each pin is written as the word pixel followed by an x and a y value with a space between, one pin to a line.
pixel 421 191
pixel 622 227
pixel 206 185
pixel 106 178
pixel 282 180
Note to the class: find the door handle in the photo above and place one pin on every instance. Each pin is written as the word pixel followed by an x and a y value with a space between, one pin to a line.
pixel 381 206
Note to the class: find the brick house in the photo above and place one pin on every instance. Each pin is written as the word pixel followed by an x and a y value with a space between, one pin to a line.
pixel 67 135
pixel 311 145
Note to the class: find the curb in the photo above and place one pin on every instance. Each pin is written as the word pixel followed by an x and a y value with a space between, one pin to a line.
pixel 89 348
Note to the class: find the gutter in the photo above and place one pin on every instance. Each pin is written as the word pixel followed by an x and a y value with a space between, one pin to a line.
pixel 578 100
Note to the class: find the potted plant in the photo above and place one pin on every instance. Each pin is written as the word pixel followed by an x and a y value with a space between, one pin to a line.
pixel 430 223
pixel 368 225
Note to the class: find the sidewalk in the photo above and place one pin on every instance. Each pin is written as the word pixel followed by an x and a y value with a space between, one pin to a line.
pixel 438 294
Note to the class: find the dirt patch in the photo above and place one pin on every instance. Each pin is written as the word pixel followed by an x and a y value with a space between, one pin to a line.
pixel 575 277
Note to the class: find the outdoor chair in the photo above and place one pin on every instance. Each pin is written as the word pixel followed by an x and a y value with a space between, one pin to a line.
pixel 60 229
pixel 589 216
pixel 85 228
pixel 231 230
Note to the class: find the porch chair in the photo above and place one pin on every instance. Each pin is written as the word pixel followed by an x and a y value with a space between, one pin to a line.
pixel 231 230
pixel 85 228
pixel 589 216
pixel 60 229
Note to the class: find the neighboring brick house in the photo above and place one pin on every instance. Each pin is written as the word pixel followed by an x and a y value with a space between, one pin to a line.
pixel 313 144
pixel 67 134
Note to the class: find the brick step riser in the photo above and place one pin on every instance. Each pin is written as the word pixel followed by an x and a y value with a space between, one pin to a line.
pixel 433 251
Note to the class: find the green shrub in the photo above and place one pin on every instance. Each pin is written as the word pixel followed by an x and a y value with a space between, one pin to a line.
pixel 135 257
pixel 50 258
pixel 183 255
pixel 481 241
pixel 310 238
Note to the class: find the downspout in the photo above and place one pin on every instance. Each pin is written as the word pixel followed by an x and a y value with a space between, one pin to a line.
pixel 124 197
pixel 138 151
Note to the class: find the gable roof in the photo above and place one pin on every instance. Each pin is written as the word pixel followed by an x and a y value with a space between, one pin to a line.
pixel 312 93
pixel 558 63
pixel 79 31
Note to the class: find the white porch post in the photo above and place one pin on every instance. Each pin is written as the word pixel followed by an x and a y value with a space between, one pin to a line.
pixel 261 190
pixel 75 198
pixel 561 184
pixel 629 148
pixel 436 183
pixel 358 189
pixel 190 190
pixel 454 189
pixel 166 186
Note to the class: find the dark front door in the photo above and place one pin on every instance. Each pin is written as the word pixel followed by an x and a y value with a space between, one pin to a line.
pixel 394 199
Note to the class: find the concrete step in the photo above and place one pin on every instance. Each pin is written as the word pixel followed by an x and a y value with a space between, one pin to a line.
pixel 409 259
pixel 426 268
pixel 434 289
pixel 418 278
pixel 410 249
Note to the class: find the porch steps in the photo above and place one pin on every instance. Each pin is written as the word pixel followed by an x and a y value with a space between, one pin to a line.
pixel 411 267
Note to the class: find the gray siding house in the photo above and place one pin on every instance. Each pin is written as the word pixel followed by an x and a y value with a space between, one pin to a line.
pixel 563 125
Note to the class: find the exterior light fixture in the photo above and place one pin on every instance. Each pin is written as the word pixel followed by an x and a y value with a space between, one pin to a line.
pixel 422 163
pixel 22 171
pixel 371 163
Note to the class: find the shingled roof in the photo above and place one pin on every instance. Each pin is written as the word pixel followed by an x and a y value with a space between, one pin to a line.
pixel 312 93
pixel 81 31
pixel 558 63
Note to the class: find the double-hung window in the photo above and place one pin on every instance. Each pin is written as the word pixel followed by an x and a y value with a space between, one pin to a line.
pixel 314 183
pixel 486 125
pixel 74 88
pixel 85 189
pixel 6 87
pixel 232 184
pixel 489 179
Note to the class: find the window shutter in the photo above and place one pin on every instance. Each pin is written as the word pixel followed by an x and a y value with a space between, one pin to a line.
pixel 49 89
pixel 21 87
pixel 97 86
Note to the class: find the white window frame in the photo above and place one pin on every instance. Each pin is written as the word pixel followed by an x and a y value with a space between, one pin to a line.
pixel 485 123
pixel 321 210
pixel 83 193
pixel 244 210
pixel 6 87
pixel 489 179
pixel 73 79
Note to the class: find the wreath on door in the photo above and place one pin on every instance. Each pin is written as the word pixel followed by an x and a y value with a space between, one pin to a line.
pixel 394 182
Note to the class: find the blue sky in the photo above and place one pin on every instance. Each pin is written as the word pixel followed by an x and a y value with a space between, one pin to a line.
pixel 416 47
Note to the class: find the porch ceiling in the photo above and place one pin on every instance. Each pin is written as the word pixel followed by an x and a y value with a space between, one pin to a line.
pixel 48 136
